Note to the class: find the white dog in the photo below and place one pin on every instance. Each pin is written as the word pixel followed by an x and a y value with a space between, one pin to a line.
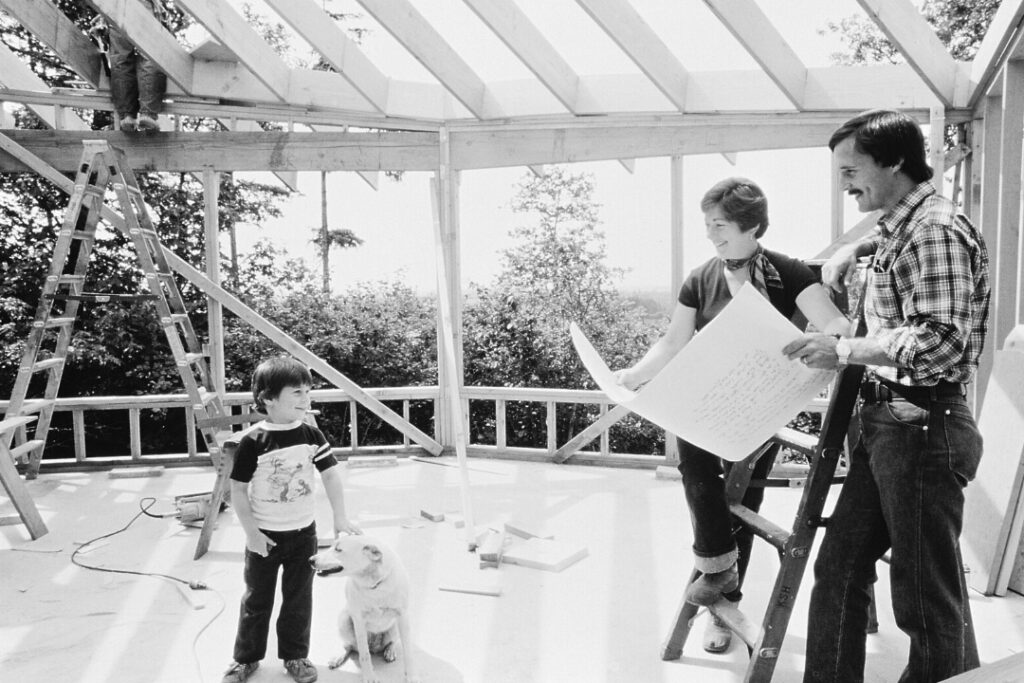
pixel 376 618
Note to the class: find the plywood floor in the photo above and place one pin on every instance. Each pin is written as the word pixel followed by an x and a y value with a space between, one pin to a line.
pixel 601 619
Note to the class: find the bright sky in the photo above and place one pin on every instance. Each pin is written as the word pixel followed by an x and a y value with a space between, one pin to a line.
pixel 395 221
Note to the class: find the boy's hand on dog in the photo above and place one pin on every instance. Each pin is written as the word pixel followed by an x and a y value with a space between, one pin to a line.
pixel 259 544
pixel 347 527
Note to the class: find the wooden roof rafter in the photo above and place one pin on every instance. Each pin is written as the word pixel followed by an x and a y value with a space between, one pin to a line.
pixel 53 28
pixel 343 54
pixel 403 21
pixel 227 26
pixel 521 36
pixel 640 43
pixel 907 29
pixel 752 28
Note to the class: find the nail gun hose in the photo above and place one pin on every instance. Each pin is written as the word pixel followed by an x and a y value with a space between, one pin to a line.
pixel 144 505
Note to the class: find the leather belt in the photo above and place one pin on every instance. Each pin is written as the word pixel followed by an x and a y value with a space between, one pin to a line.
pixel 877 391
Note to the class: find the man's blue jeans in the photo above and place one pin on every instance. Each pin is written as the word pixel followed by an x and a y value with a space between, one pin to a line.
pixel 291 556
pixel 904 492
pixel 136 83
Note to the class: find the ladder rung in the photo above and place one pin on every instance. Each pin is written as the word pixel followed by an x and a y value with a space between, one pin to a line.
pixel 748 631
pixel 179 318
pixel 12 423
pixel 70 279
pixel 191 358
pixel 768 530
pixel 797 440
pixel 27 447
pixel 48 363
pixel 83 236
pixel 205 397
pixel 59 322
pixel 96 297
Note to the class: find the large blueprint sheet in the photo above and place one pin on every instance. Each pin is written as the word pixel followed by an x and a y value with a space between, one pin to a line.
pixel 730 388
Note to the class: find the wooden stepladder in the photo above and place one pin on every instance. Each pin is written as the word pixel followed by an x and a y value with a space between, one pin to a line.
pixel 103 168
pixel 794 545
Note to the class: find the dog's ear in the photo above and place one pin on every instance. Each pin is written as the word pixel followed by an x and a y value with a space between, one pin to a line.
pixel 372 552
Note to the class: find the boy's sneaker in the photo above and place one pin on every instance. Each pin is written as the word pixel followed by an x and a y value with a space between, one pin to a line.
pixel 237 673
pixel 302 670
pixel 148 124
pixel 129 124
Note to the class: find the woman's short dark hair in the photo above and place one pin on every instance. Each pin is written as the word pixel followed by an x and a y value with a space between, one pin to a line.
pixel 275 374
pixel 742 202
pixel 889 137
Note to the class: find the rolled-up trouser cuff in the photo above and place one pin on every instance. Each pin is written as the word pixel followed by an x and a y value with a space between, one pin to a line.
pixel 719 563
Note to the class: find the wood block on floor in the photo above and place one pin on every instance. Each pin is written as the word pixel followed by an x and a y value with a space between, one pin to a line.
pixel 543 553
pixel 525 530
pixel 432 514
pixel 372 461
pixel 491 548
pixel 484 584
pixel 132 472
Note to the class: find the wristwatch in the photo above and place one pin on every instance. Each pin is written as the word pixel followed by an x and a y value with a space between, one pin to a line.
pixel 843 351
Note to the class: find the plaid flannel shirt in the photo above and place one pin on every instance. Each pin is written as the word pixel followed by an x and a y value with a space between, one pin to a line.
pixel 928 291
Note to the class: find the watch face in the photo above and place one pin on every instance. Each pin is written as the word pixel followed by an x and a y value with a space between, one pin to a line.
pixel 843 349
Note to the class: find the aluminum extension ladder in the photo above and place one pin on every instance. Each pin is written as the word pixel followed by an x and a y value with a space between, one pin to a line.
pixel 104 168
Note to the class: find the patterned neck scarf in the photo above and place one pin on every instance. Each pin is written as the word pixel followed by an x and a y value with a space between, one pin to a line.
pixel 762 273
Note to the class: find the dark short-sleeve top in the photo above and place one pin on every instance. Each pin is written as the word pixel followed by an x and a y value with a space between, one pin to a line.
pixel 706 290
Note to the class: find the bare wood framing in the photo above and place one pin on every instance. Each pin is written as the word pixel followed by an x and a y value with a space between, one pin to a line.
pixel 637 39
pixel 903 24
pixel 53 28
pixel 751 27
pixel 236 306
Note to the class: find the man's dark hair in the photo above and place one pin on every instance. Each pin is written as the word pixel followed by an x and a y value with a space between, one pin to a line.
pixel 741 201
pixel 274 374
pixel 889 137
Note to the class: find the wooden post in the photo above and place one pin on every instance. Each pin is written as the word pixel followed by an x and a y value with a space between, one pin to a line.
pixel 837 219
pixel 1004 253
pixel 937 144
pixel 985 188
pixel 449 361
pixel 676 277
pixel 449 289
pixel 215 313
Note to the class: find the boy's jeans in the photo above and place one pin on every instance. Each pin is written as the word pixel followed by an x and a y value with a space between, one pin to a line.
pixel 291 554
pixel 904 491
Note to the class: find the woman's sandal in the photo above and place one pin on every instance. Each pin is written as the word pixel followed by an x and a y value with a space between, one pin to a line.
pixel 717 636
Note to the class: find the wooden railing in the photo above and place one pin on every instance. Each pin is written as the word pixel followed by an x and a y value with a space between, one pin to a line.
pixel 474 398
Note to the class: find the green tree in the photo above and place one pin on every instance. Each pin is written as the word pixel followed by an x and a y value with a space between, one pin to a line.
pixel 959 24
pixel 516 330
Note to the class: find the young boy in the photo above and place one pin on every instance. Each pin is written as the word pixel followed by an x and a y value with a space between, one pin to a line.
pixel 272 492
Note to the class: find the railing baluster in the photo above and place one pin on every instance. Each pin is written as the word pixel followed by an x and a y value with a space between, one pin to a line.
pixel 552 426
pixel 405 416
pixel 500 437
pixel 353 425
pixel 78 426
pixel 135 433
pixel 605 438
pixel 190 433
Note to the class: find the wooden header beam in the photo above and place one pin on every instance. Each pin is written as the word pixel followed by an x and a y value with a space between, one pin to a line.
pixel 472 146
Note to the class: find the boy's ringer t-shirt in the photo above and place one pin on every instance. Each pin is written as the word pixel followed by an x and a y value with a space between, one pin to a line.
pixel 277 461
